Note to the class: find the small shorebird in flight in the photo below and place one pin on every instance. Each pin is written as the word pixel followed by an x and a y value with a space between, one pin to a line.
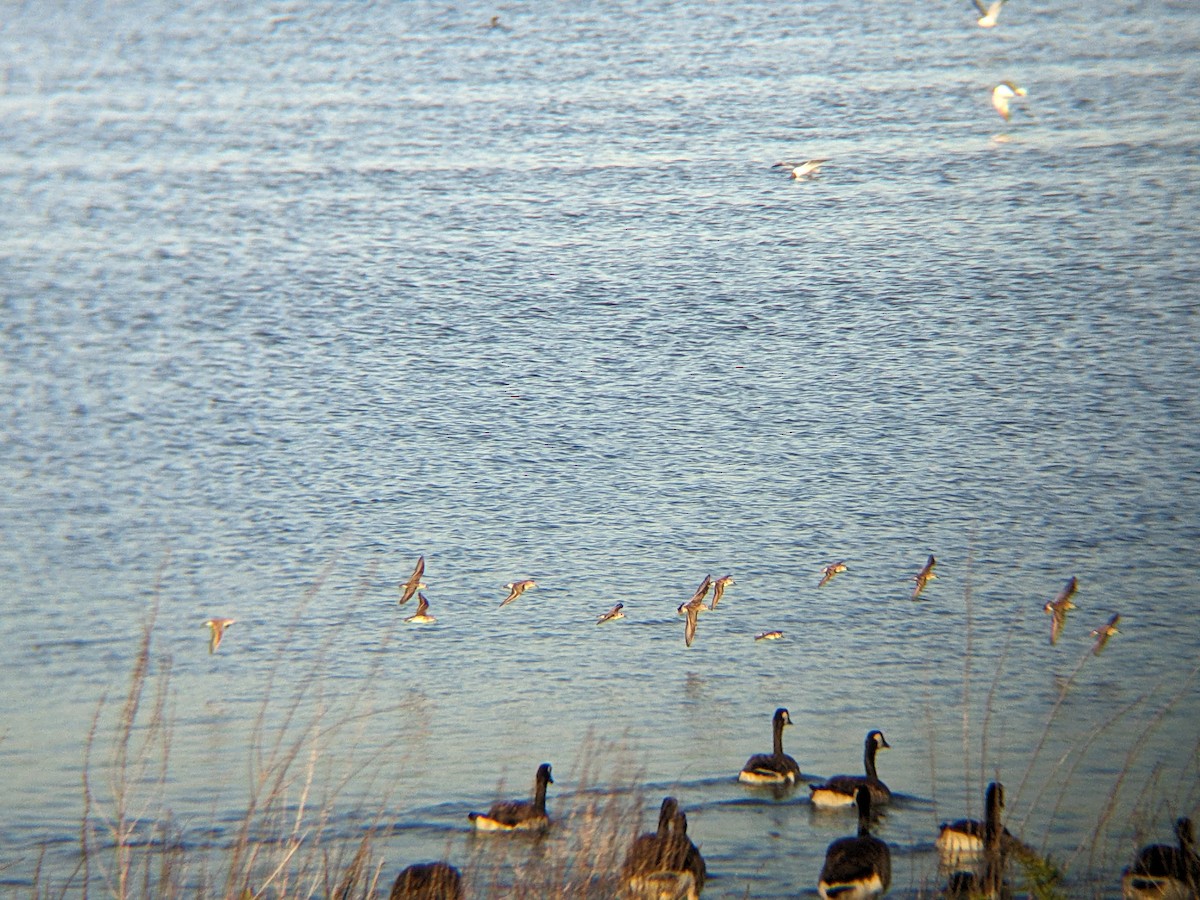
pixel 692 608
pixel 697 598
pixel 988 14
pixel 769 636
pixel 806 169
pixel 1104 632
pixel 1002 95
pixel 516 589
pixel 216 628
pixel 718 588
pixel 414 582
pixel 612 615
pixel 923 577
pixel 421 616
pixel 831 570
pixel 1057 609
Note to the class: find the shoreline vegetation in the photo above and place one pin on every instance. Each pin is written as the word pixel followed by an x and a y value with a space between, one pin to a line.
pixel 291 840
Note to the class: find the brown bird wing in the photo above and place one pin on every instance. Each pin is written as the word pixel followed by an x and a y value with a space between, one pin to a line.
pixel 689 631
pixel 1058 618
pixel 513 812
pixel 1104 632
pixel 701 591
pixel 514 592
pixel 410 587
pixel 1064 596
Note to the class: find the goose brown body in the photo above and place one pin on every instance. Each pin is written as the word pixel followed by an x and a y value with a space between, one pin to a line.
pixel 974 851
pixel 841 790
pixel 664 864
pixel 858 867
pixel 524 815
pixel 1163 872
pixel 428 881
pixel 775 767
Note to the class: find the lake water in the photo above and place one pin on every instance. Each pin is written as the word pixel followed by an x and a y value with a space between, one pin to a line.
pixel 294 293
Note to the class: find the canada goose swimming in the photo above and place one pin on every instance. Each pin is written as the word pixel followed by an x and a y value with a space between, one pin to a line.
pixel 414 582
pixel 612 615
pixel 988 14
pixel 644 851
pixel 428 881
pixel 842 789
pixel 1057 609
pixel 516 589
pixel 827 573
pixel 421 616
pixel 769 636
pixel 775 767
pixel 718 588
pixel 664 865
pixel 514 815
pixel 857 867
pixel 923 577
pixel 1163 871
pixel 216 631
pixel 653 867
pixel 968 842
pixel 1104 632
pixel 806 169
pixel 1002 95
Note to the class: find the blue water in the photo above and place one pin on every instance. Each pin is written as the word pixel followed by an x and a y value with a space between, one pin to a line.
pixel 293 294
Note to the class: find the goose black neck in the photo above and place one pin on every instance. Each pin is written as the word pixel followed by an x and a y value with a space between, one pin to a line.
pixel 539 793
pixel 679 824
pixel 869 759
pixel 1183 831
pixel 666 814
pixel 992 823
pixel 993 868
pixel 862 799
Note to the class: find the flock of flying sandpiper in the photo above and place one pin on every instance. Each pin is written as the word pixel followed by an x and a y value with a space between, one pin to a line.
pixel 666 865
pixel 690 609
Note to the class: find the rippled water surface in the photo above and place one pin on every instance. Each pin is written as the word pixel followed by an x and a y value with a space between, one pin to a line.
pixel 293 294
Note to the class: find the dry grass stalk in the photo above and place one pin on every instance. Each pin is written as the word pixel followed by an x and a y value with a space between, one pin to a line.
pixel 281 846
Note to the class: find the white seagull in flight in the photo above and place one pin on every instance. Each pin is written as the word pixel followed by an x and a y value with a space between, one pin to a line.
pixel 988 14
pixel 1004 92
pixel 806 169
